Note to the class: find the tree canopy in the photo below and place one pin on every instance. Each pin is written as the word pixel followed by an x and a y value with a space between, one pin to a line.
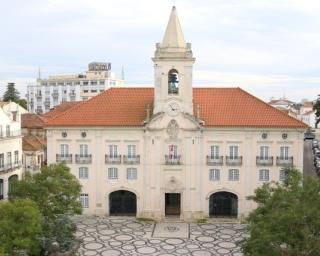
pixel 287 219
pixel 316 107
pixel 20 227
pixel 11 94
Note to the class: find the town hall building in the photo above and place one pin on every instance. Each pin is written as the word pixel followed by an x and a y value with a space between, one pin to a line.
pixel 174 149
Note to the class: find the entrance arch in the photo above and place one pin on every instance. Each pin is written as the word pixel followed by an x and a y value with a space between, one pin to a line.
pixel 122 202
pixel 223 204
pixel 11 180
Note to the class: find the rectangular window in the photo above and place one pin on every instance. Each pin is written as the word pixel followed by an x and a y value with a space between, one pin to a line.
pixel 233 174
pixel 83 173
pixel 173 151
pixel 9 158
pixel 282 175
pixel 132 151
pixel 84 200
pixel 234 152
pixel 284 152
pixel 83 150
pixel 214 153
pixel 132 173
pixel 112 173
pixel 64 149
pixel 264 152
pixel 16 157
pixel 214 174
pixel 8 130
pixel 1 160
pixel 263 175
pixel 113 150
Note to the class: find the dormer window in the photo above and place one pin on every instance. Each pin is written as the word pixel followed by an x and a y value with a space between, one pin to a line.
pixel 173 82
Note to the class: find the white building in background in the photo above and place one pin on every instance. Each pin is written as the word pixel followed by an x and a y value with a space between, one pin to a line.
pixel 172 149
pixel 10 149
pixel 48 93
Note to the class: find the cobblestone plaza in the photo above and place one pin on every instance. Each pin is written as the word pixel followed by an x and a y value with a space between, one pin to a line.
pixel 112 236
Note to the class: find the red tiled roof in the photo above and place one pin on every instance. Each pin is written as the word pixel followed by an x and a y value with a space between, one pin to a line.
pixel 57 110
pixel 219 107
pixel 29 120
pixel 33 143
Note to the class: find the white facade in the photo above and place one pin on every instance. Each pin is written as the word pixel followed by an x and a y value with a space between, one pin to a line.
pixel 10 149
pixel 48 93
pixel 174 164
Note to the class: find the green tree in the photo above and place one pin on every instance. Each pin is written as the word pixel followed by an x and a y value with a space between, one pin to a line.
pixel 316 107
pixel 23 103
pixel 56 192
pixel 20 228
pixel 11 94
pixel 287 219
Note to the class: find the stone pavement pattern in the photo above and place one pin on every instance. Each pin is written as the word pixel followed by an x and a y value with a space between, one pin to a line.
pixel 111 236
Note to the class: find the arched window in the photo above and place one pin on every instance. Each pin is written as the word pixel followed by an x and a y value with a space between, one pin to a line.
pixel 173 82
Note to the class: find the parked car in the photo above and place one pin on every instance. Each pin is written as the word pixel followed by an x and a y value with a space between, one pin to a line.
pixel 315 143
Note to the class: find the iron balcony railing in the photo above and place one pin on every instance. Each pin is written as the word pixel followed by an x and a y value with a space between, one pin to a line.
pixel 5 168
pixel 264 161
pixel 234 161
pixel 38 95
pixel 112 159
pixel 173 159
pixel 64 158
pixel 284 161
pixel 128 159
pixel 214 160
pixel 9 134
pixel 55 94
pixel 83 159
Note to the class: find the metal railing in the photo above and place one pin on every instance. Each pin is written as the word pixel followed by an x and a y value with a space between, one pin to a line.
pixel 284 161
pixel 234 161
pixel 111 159
pixel 64 158
pixel 83 159
pixel 5 168
pixel 173 160
pixel 214 160
pixel 135 159
pixel 264 161
pixel 9 134
pixel 55 94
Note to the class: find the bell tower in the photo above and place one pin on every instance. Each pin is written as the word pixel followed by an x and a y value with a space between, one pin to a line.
pixel 173 64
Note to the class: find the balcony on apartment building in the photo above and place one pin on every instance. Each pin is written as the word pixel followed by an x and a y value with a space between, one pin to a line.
pixel 173 159
pixel 215 160
pixel 55 94
pixel 9 134
pixel 38 95
pixel 113 159
pixel 234 161
pixel 47 102
pixel 83 159
pixel 131 159
pixel 264 161
pixel 284 161
pixel 5 168
pixel 64 158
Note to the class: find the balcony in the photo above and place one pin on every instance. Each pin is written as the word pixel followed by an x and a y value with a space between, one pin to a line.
pixel 113 159
pixel 131 159
pixel 83 159
pixel 215 160
pixel 173 160
pixel 264 161
pixel 284 161
pixel 72 94
pixel 9 134
pixel 38 95
pixel 64 158
pixel 55 94
pixel 10 167
pixel 234 161
pixel 47 102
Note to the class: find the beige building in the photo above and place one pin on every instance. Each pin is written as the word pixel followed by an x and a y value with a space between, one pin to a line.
pixel 10 149
pixel 171 149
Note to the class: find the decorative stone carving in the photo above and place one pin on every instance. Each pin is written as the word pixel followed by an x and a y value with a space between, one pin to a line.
pixel 173 129
pixel 173 185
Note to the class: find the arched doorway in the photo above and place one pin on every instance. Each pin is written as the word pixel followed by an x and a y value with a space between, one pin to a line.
pixel 223 204
pixel 11 180
pixel 122 202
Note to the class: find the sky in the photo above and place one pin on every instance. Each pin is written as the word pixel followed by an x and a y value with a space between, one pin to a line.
pixel 271 48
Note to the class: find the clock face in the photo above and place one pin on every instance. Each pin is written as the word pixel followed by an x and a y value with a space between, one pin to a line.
pixel 173 108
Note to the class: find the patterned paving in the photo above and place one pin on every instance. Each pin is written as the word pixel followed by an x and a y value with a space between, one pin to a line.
pixel 127 236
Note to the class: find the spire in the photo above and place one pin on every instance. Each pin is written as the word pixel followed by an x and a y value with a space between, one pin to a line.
pixel 173 36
